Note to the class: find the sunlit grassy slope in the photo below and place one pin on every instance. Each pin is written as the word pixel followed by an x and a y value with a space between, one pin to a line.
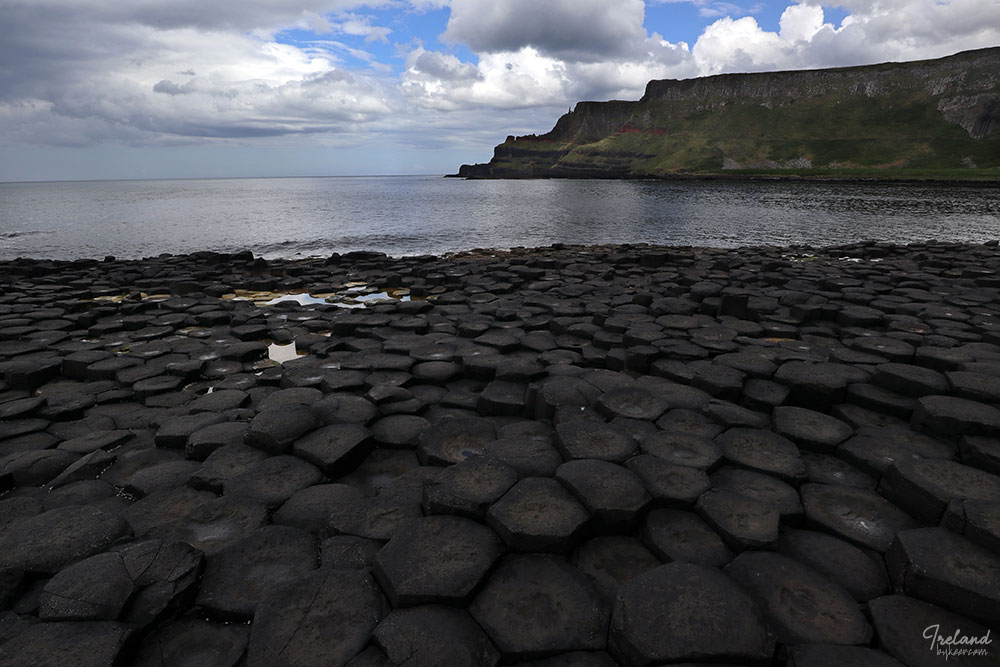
pixel 934 119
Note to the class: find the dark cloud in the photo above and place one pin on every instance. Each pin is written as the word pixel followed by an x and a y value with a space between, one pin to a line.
pixel 578 30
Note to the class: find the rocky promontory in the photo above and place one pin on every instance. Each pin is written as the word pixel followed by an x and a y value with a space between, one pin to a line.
pixel 620 455
pixel 927 119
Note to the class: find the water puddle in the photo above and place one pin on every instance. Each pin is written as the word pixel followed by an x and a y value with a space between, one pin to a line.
pixel 282 353
pixel 354 295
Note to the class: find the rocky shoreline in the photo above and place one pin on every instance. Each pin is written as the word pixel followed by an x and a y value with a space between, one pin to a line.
pixel 618 455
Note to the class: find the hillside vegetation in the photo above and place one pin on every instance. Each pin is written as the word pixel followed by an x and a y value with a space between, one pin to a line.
pixel 934 119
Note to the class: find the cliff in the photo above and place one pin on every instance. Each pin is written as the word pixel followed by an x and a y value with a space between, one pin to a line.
pixel 932 118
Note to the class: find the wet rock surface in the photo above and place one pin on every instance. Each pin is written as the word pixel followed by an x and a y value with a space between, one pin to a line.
pixel 610 455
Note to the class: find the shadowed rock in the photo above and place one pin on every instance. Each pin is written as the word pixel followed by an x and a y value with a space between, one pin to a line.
pixel 52 540
pixel 611 561
pixel 924 487
pixel 533 606
pixel 857 515
pixel 800 605
pixel 469 488
pixel 538 514
pixel 898 619
pixel 414 636
pixel 326 617
pixel 193 641
pixel 241 575
pixel 584 439
pixel 943 568
pixel 857 572
pixel 436 559
pixel 675 535
pixel 673 613
pixel 85 644
pixel 612 494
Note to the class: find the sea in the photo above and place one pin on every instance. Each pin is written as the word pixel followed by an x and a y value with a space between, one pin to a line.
pixel 417 215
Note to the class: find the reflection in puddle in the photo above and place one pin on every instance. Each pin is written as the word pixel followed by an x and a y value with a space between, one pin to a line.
pixel 282 353
pixel 303 298
pixel 353 296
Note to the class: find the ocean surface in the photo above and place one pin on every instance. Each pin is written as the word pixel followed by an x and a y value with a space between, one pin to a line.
pixel 408 215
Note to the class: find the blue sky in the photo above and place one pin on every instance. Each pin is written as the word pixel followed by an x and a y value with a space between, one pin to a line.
pixel 150 89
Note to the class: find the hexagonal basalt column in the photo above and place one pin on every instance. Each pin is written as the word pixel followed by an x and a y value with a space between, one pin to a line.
pixel 436 559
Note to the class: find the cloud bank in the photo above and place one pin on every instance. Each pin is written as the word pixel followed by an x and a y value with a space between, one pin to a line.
pixel 147 72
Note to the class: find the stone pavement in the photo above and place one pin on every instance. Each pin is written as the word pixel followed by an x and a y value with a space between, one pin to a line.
pixel 597 456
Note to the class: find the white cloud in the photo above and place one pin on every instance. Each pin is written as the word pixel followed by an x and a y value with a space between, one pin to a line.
pixel 153 72
pixel 879 31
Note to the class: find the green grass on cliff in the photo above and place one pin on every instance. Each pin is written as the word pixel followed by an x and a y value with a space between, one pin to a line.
pixel 903 137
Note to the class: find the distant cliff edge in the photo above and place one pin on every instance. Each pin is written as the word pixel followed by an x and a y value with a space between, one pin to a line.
pixel 925 119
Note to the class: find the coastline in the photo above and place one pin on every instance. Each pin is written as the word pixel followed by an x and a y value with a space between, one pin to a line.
pixel 988 181
pixel 718 426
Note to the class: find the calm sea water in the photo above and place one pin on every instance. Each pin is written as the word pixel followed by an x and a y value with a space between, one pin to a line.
pixel 288 217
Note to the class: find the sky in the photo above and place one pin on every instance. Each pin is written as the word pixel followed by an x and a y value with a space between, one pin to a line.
pixel 107 89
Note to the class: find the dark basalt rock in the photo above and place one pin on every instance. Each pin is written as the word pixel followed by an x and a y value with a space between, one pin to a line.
pixel 742 522
pixel 310 508
pixel 399 430
pixel 924 487
pixel 36 467
pixel 469 488
pixel 336 449
pixel 831 655
pixel 857 515
pixel 86 644
pixel 529 456
pixel 175 432
pixel 614 496
pixel 950 415
pixel 632 402
pixel 673 613
pixel 538 514
pixel 683 449
pixel 810 429
pixel 240 576
pixel 584 439
pixel 898 619
pixel 94 589
pixel 214 524
pixel 801 606
pixel 274 429
pixel 414 636
pixel 454 440
pixel 552 394
pixel 326 617
pixel 348 552
pixel 436 559
pixel 770 491
pixel 611 561
pixel 194 641
pixel 675 535
pixel 938 566
pixel 910 380
pixel 223 463
pixel 533 606
pixel 273 481
pixel 856 571
pixel 762 451
pixel 668 484
pixel 978 520
pixel 50 541
pixel 373 518
pixel 875 450
pixel 204 442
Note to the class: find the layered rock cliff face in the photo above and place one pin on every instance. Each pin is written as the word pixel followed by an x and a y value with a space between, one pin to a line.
pixel 927 116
